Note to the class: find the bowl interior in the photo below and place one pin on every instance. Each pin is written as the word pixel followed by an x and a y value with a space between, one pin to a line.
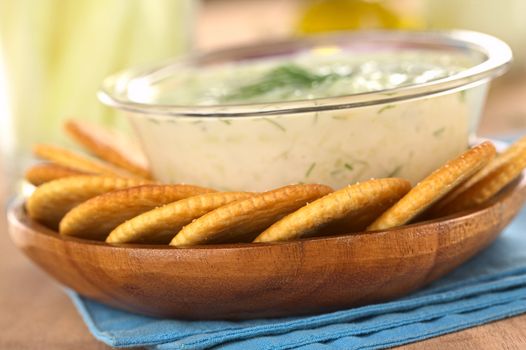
pixel 139 89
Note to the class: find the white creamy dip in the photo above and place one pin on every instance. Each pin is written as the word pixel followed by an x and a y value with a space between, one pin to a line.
pixel 317 74
pixel 337 147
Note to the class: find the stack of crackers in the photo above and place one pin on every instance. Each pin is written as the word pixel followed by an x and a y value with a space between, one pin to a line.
pixel 108 194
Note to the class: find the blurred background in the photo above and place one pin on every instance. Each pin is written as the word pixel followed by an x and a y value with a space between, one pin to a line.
pixel 55 53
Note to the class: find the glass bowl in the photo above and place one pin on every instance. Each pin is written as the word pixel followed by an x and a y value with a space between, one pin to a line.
pixel 402 132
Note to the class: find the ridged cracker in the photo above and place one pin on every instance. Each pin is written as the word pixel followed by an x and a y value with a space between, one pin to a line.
pixel 509 167
pixel 77 161
pixel 110 146
pixel 161 224
pixel 514 153
pixel 347 210
pixel 41 173
pixel 435 186
pixel 243 220
pixel 97 217
pixel 52 200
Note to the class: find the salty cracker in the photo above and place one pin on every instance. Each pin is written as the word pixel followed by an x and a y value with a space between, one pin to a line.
pixel 52 200
pixel 514 153
pixel 110 146
pixel 435 186
pixel 76 161
pixel 487 186
pixel 41 173
pixel 161 224
pixel 350 209
pixel 243 220
pixel 97 217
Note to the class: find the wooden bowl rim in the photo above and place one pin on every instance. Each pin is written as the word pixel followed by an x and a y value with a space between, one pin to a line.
pixel 17 214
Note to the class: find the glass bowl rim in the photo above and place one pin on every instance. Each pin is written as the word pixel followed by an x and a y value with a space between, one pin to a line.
pixel 498 57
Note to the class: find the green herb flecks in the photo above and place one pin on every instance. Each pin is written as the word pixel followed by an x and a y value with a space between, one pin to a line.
pixel 360 167
pixel 226 121
pixel 348 166
pixel 287 75
pixel 310 169
pixel 385 108
pixel 438 132
pixel 395 172
pixel 462 96
pixel 276 124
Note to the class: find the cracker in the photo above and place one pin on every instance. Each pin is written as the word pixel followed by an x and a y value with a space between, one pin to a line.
pixel 350 209
pixel 161 224
pixel 513 154
pixel 52 200
pixel 435 186
pixel 243 220
pixel 77 161
pixel 110 146
pixel 41 173
pixel 499 176
pixel 97 217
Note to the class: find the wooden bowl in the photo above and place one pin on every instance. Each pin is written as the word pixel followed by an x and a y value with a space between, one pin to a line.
pixel 265 280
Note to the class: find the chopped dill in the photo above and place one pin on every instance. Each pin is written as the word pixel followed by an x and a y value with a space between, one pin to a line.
pixel 385 108
pixel 275 123
pixel 438 132
pixel 395 172
pixel 289 75
pixel 309 171
pixel 462 95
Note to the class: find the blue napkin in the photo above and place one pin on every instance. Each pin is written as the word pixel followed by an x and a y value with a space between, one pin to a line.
pixel 491 286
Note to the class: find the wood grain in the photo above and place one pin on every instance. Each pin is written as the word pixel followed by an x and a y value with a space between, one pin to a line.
pixel 36 314
pixel 265 280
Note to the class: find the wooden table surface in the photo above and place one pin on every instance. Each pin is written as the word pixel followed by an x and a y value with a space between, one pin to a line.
pixel 36 314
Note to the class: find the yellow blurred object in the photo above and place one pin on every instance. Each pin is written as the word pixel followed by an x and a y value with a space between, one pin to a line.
pixel 334 15
pixel 503 19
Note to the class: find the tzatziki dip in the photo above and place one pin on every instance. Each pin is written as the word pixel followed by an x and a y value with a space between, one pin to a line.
pixel 260 150
pixel 325 72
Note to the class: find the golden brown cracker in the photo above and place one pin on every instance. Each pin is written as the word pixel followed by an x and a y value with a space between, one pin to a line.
pixel 502 163
pixel 486 187
pixel 160 225
pixel 77 161
pixel 52 200
pixel 110 146
pixel 243 220
pixel 41 173
pixel 97 217
pixel 347 210
pixel 435 186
